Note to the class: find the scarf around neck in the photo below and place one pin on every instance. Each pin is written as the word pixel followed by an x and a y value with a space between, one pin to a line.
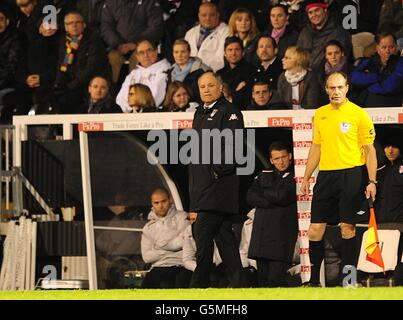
pixel 72 44
pixel 278 34
pixel 337 68
pixel 294 78
pixel 180 75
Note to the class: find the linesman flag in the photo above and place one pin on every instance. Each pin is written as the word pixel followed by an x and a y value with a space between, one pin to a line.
pixel 372 248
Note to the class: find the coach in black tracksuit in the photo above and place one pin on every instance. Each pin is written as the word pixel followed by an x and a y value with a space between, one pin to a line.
pixel 389 202
pixel 214 188
pixel 275 226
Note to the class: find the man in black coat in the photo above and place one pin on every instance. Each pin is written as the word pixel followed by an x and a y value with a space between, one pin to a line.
pixel 275 226
pixel 214 187
pixel 389 203
pixel 237 72
pixel 269 66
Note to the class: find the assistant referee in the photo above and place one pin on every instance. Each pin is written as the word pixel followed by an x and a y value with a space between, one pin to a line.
pixel 343 148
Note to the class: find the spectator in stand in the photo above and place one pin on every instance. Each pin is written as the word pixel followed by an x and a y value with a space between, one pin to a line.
pixel 298 86
pixel 237 72
pixel 242 24
pixel 207 39
pixel 123 24
pixel 295 9
pixel 177 98
pixel 275 226
pixel 280 29
pixel 269 66
pixel 179 17
pixel 140 99
pixel 10 6
pixel 321 29
pixel 380 78
pixel 226 92
pixel 263 98
pixel 335 61
pixel 258 8
pixel 186 69
pixel 149 71
pixel 391 19
pixel 9 51
pixel 37 64
pixel 162 243
pixel 99 98
pixel 82 55
pixel 91 11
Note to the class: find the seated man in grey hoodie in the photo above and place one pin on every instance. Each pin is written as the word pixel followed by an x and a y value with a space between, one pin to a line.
pixel 162 242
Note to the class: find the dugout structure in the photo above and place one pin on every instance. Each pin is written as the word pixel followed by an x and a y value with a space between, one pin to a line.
pixel 300 122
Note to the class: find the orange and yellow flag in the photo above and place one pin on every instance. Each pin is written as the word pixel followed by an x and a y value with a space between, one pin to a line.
pixel 372 248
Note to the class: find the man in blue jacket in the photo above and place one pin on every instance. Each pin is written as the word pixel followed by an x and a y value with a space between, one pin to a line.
pixel 379 79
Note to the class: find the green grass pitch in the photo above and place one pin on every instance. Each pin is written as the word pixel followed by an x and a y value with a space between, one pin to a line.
pixel 380 293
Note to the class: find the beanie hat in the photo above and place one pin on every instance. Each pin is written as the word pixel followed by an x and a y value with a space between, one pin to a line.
pixel 315 3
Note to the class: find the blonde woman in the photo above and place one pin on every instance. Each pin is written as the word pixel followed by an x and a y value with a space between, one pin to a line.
pixel 298 86
pixel 242 24
pixel 141 99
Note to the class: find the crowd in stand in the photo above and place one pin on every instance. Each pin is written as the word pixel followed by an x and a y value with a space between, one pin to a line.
pixel 285 48
pixel 134 56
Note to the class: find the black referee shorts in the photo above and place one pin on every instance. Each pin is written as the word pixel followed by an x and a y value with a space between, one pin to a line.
pixel 338 195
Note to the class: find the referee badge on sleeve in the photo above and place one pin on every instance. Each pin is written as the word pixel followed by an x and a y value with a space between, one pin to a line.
pixel 401 169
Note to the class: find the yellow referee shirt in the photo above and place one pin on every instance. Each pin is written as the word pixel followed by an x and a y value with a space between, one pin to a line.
pixel 341 134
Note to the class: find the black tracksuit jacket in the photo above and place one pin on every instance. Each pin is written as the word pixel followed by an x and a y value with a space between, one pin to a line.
pixel 215 187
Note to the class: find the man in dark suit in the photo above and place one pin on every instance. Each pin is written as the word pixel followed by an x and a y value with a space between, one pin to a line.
pixel 214 187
